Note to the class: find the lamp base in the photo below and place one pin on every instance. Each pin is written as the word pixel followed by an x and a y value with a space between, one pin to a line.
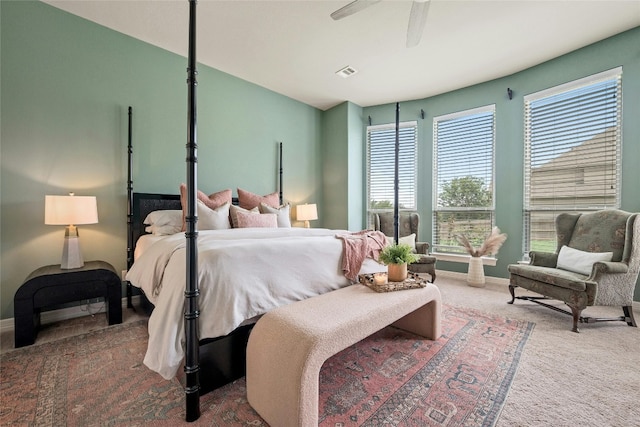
pixel 71 253
pixel 306 224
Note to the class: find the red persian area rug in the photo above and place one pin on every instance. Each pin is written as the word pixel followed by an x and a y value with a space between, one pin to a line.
pixel 391 378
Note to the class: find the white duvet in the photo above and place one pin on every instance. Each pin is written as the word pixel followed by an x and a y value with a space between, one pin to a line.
pixel 243 273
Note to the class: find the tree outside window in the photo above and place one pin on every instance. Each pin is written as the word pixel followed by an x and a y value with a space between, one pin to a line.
pixel 463 177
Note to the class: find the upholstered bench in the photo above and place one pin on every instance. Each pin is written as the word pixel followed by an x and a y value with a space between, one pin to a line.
pixel 288 345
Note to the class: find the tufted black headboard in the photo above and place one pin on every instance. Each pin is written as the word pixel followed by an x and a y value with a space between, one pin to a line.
pixel 145 203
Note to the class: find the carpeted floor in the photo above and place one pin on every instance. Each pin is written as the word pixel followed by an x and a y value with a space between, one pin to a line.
pixel 563 379
pixel 392 378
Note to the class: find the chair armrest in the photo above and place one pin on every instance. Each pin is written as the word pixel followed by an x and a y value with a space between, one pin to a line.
pixel 611 283
pixel 422 248
pixel 608 267
pixel 543 259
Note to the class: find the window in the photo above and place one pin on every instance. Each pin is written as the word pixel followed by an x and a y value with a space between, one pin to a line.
pixel 463 177
pixel 572 153
pixel 381 143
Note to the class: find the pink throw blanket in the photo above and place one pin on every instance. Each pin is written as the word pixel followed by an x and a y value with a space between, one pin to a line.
pixel 358 246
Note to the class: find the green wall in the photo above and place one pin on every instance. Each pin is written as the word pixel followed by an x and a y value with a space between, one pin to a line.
pixel 66 84
pixel 335 210
pixel 343 174
pixel 356 168
pixel 621 50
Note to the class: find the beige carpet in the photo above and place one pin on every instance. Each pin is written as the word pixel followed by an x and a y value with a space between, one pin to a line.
pixel 564 379
pixel 590 379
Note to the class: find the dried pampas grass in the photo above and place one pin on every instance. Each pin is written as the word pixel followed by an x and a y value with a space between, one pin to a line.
pixel 490 246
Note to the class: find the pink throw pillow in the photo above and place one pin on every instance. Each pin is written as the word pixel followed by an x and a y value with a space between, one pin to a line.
pixel 233 213
pixel 248 220
pixel 212 201
pixel 248 200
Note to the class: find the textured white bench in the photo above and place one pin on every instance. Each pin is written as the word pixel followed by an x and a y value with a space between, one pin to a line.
pixel 288 345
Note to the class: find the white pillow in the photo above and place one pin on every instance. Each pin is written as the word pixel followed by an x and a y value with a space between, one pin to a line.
pixel 165 217
pixel 213 219
pixel 406 240
pixel 578 261
pixel 163 230
pixel 283 213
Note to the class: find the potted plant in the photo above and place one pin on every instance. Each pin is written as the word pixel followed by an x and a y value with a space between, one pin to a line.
pixel 396 257
pixel 490 246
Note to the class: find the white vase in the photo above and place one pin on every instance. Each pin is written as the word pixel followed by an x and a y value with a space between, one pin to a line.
pixel 475 276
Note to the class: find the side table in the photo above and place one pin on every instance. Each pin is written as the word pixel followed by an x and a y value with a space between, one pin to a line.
pixel 51 285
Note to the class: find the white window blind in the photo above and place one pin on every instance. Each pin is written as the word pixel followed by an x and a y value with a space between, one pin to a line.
pixel 572 153
pixel 463 177
pixel 381 140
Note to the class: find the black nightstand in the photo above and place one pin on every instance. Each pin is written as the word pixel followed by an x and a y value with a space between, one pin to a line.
pixel 49 286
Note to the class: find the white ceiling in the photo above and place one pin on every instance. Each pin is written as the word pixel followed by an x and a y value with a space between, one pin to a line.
pixel 294 48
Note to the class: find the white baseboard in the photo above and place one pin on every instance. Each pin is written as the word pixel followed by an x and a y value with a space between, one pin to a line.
pixel 462 258
pixel 490 280
pixel 8 325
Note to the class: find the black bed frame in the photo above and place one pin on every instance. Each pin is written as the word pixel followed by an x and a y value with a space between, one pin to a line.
pixel 222 359
pixel 209 363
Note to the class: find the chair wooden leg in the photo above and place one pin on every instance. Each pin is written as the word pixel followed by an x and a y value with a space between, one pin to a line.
pixel 628 315
pixel 513 294
pixel 576 318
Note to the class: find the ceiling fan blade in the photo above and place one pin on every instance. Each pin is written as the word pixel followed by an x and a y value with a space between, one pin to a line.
pixel 417 19
pixel 351 8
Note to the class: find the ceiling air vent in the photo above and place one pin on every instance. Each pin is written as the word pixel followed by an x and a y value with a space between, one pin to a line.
pixel 347 71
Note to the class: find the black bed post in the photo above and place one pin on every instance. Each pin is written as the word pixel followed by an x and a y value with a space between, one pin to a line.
pixel 191 312
pixel 129 208
pixel 280 174
pixel 396 180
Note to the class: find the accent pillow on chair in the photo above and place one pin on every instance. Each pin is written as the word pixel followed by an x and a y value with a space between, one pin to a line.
pixel 405 240
pixel 580 261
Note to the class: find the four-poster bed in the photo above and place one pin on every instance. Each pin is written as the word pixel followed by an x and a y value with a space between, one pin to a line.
pixel 242 273
pixel 213 357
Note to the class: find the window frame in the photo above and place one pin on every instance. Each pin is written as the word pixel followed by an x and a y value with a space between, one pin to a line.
pixel 546 215
pixel 456 249
pixel 413 172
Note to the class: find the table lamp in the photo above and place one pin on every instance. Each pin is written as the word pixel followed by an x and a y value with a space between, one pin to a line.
pixel 306 213
pixel 70 210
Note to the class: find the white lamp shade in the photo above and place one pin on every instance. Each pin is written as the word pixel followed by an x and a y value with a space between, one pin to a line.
pixel 67 210
pixel 306 212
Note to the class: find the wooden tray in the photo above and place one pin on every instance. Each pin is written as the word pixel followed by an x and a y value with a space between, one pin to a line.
pixel 413 281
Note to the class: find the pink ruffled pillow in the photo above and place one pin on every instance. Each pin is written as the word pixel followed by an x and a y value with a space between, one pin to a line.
pixel 257 220
pixel 249 200
pixel 212 201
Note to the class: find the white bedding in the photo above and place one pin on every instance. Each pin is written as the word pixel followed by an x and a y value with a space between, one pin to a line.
pixel 243 273
pixel 144 242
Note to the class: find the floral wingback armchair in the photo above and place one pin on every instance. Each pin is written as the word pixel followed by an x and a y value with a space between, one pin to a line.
pixel 596 263
pixel 408 226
